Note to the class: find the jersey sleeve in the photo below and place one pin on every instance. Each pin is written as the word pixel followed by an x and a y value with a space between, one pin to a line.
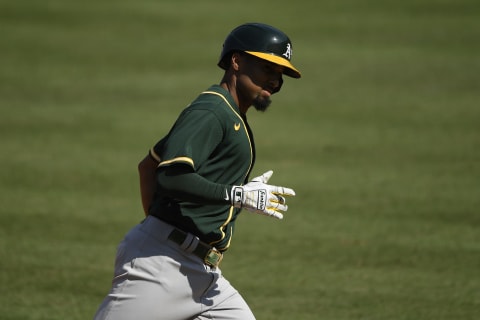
pixel 193 138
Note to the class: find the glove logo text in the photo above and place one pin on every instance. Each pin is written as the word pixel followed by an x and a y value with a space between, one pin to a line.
pixel 262 199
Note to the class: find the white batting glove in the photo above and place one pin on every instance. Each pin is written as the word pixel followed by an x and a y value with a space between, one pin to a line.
pixel 259 197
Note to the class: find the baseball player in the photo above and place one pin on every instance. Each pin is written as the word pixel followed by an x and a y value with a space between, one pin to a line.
pixel 194 183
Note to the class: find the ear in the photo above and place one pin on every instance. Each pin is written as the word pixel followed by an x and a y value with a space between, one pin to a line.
pixel 235 61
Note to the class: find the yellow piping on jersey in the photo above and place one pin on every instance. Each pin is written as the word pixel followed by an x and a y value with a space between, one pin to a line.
pixel 230 214
pixel 155 155
pixel 178 159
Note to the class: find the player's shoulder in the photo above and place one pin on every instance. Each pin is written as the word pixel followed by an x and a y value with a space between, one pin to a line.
pixel 215 99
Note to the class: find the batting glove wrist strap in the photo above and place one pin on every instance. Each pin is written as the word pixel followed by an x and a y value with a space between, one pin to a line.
pixel 259 197
pixel 237 196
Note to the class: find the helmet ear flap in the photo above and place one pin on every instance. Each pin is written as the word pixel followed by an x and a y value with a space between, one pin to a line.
pixel 225 61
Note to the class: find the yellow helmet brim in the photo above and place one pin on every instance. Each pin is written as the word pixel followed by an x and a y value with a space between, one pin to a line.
pixel 290 70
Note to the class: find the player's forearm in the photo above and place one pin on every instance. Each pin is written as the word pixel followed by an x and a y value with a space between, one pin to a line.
pixel 146 170
pixel 182 183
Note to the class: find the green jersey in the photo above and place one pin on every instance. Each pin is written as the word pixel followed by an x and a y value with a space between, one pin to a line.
pixel 214 139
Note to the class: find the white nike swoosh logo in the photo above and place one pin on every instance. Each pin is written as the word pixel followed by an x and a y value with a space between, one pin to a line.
pixel 227 197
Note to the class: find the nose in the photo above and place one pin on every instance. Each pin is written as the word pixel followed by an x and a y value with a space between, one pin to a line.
pixel 277 84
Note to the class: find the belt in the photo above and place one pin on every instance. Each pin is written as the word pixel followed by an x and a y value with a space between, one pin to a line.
pixel 209 255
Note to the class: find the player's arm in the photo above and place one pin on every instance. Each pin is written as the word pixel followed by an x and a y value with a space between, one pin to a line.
pixel 180 181
pixel 146 171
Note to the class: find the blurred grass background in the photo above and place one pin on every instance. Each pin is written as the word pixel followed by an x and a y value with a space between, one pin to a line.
pixel 380 139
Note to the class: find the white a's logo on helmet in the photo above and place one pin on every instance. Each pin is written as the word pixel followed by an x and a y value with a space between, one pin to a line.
pixel 288 52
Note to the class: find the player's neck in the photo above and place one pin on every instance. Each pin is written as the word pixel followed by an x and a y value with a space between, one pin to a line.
pixel 232 89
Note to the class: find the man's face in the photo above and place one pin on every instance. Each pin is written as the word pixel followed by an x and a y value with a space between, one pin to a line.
pixel 259 79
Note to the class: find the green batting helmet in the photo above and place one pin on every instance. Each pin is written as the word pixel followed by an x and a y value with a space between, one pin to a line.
pixel 262 41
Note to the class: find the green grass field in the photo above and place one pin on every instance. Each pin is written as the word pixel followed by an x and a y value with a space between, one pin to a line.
pixel 380 139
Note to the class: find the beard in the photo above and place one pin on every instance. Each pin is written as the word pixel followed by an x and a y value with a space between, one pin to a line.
pixel 261 103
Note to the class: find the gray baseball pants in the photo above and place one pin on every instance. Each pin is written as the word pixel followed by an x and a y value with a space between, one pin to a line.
pixel 155 278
